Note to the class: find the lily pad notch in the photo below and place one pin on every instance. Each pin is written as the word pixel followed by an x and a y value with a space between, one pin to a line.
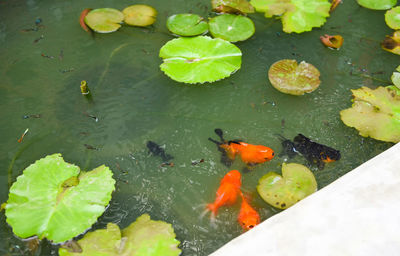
pixel 55 200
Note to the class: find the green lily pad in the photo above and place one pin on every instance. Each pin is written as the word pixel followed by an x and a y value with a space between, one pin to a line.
pixel 377 4
pixel 392 18
pixel 187 24
pixel 104 20
pixel 396 77
pixel 296 183
pixel 231 27
pixel 289 77
pixel 199 59
pixel 297 15
pixel 392 43
pixel 45 201
pixel 144 237
pixel 232 6
pixel 375 113
pixel 140 15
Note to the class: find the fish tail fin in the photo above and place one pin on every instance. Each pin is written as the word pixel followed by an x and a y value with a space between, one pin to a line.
pixel 216 142
pixel 280 136
pixel 213 208
pixel 220 134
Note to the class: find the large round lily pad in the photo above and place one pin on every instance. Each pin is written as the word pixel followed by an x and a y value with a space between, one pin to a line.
pixel 375 113
pixel 51 201
pixel 297 15
pixel 289 77
pixel 232 6
pixel 144 237
pixel 377 4
pixel 231 27
pixel 139 15
pixel 104 20
pixel 199 59
pixel 392 18
pixel 296 183
pixel 187 24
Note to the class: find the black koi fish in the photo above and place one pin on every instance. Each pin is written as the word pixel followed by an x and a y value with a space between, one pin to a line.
pixel 313 152
pixel 156 150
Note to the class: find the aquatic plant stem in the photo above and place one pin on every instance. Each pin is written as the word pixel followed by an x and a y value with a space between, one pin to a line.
pixel 371 77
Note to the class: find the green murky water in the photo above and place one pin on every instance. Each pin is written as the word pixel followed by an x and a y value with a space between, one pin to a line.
pixel 135 102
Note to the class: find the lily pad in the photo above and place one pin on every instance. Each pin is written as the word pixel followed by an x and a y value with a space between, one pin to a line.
pixel 104 20
pixel 48 200
pixel 377 4
pixel 396 77
pixel 199 59
pixel 232 6
pixel 296 183
pixel 187 24
pixel 231 27
pixel 140 15
pixel 143 237
pixel 297 15
pixel 375 113
pixel 392 18
pixel 392 43
pixel 289 77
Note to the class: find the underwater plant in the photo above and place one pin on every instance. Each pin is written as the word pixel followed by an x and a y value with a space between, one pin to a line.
pixel 55 200
pixel 142 237
pixel 296 183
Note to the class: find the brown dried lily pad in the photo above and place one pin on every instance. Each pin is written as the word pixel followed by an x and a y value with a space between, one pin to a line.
pixel 289 77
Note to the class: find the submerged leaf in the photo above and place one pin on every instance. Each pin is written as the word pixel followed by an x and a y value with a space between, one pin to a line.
pixel 297 15
pixel 375 113
pixel 392 43
pixel 40 205
pixel 140 15
pixel 232 6
pixel 104 20
pixel 231 27
pixel 187 24
pixel 144 237
pixel 392 18
pixel 289 77
pixel 199 59
pixel 296 183
pixel 377 4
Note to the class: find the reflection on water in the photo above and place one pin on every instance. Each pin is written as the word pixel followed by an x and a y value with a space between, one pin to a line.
pixel 135 102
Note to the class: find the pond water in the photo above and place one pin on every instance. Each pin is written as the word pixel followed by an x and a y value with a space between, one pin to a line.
pixel 135 102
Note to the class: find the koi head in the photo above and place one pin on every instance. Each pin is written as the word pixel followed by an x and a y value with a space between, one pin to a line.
pixel 249 222
pixel 267 153
pixel 233 177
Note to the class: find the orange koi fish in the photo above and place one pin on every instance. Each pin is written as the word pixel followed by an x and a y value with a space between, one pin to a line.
pixel 227 192
pixel 250 154
pixel 248 217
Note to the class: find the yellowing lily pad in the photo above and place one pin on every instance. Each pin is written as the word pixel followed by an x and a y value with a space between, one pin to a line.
pixel 289 77
pixel 392 43
pixel 199 59
pixel 375 113
pixel 232 6
pixel 144 237
pixel 296 183
pixel 231 27
pixel 297 15
pixel 392 18
pixel 104 20
pixel 377 4
pixel 51 201
pixel 139 15
pixel 187 24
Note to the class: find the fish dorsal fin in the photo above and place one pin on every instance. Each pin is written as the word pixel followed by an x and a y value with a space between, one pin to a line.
pixel 234 141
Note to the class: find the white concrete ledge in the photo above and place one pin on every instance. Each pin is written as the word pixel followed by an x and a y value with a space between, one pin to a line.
pixel 357 215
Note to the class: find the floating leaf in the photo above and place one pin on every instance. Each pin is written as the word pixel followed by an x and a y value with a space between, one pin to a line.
pixel 187 24
pixel 139 15
pixel 231 27
pixel 296 183
pixel 289 77
pixel 392 18
pixel 104 20
pixel 45 202
pixel 392 43
pixel 377 4
pixel 375 113
pixel 199 59
pixel 396 77
pixel 232 6
pixel 144 237
pixel 334 42
pixel 297 15
pixel 82 19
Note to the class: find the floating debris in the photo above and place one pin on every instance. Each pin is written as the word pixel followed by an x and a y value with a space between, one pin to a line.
pixel 47 56
pixel 334 42
pixel 84 88
pixel 171 164
pixel 91 116
pixel 38 39
pixel 67 70
pixel 23 135
pixel 90 147
pixel 196 162
pixel 32 116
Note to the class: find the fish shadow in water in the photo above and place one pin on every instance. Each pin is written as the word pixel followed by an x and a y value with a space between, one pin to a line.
pixel 157 150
